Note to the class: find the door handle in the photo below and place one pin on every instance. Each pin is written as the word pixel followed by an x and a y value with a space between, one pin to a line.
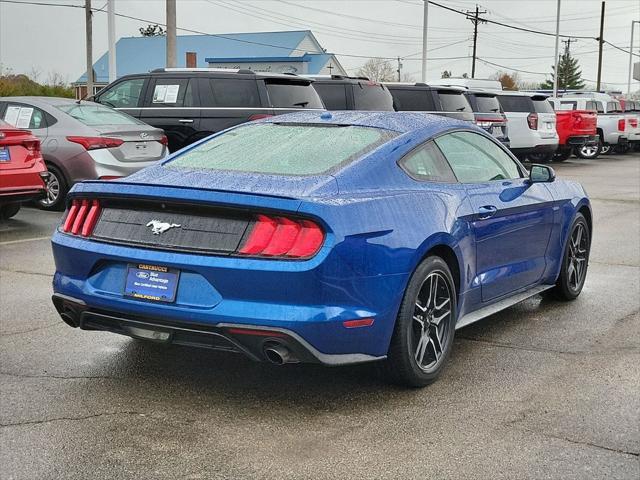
pixel 486 211
pixel 185 120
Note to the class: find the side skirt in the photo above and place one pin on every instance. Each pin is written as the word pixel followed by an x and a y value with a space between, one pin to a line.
pixel 484 312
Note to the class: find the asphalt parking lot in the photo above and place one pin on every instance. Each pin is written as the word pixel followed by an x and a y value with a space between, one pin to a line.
pixel 541 390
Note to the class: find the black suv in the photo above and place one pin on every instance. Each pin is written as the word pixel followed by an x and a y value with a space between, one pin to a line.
pixel 352 93
pixel 488 113
pixel 191 104
pixel 420 97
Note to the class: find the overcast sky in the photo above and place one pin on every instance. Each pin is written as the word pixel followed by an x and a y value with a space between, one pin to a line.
pixel 51 38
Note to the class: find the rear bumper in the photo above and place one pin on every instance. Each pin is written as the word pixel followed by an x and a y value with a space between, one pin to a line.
pixel 249 340
pixel 544 148
pixel 21 196
pixel 580 140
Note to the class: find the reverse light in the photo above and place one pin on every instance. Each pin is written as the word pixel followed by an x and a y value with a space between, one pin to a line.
pixel 621 123
pixel 532 120
pixel 283 237
pixel 94 143
pixel 82 217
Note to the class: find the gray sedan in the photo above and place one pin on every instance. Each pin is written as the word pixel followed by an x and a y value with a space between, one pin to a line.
pixel 83 141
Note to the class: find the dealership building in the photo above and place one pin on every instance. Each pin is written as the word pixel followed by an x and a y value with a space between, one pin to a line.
pixel 295 51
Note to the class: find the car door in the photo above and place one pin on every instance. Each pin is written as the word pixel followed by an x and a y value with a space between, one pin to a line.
pixel 512 218
pixel 173 104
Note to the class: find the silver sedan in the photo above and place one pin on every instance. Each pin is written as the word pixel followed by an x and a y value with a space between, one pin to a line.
pixel 83 141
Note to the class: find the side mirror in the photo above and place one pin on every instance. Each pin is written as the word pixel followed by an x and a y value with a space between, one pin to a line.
pixel 541 174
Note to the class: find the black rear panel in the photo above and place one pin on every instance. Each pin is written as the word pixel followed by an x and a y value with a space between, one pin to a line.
pixel 189 229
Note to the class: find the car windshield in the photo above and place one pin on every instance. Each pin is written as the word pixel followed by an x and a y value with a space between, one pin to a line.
pixel 283 149
pixel 95 115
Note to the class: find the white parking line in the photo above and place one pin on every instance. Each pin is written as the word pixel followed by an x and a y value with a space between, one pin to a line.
pixel 24 240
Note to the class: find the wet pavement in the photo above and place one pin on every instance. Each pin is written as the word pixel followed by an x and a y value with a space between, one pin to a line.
pixel 541 390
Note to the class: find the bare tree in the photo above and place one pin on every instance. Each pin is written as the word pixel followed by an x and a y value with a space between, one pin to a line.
pixel 377 70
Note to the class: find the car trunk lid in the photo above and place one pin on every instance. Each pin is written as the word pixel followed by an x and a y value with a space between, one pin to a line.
pixel 18 149
pixel 139 145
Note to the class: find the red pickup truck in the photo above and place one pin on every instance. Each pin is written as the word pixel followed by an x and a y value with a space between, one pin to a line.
pixel 576 129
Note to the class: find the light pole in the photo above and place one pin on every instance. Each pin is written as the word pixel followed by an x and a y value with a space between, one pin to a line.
pixel 633 24
pixel 555 70
pixel 425 18
pixel 111 34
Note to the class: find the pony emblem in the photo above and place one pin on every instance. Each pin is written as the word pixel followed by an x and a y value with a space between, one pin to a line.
pixel 158 227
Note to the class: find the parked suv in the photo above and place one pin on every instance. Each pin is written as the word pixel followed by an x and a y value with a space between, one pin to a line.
pixel 488 113
pixel 191 104
pixel 532 125
pixel 611 120
pixel 420 97
pixel 352 93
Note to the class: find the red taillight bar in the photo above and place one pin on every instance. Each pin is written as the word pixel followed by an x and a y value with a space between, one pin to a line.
pixel 621 124
pixel 283 237
pixel 82 217
pixel 94 143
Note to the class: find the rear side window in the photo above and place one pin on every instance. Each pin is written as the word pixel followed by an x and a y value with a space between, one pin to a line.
pixel 172 92
pixel 372 96
pixel 125 94
pixel 333 95
pixel 590 105
pixel 293 95
pixel 453 101
pixel 570 105
pixel 426 163
pixel 95 115
pixel 515 103
pixel 475 158
pixel 283 149
pixel 487 104
pixel 25 116
pixel 614 107
pixel 229 92
pixel 412 100
pixel 542 105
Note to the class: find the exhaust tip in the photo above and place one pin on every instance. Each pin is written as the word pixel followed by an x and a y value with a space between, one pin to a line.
pixel 69 319
pixel 277 354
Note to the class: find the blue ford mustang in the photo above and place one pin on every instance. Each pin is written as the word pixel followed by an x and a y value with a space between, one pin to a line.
pixel 322 237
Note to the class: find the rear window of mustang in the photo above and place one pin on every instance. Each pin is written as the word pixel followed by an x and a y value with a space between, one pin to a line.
pixel 283 149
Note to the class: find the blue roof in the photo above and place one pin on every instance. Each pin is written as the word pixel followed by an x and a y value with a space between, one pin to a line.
pixel 401 122
pixel 143 54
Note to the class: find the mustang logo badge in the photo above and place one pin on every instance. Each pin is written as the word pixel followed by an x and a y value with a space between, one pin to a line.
pixel 158 227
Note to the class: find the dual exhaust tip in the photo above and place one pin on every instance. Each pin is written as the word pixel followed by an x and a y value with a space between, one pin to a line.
pixel 278 354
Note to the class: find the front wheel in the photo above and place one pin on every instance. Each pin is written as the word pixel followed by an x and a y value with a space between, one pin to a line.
pixel 424 330
pixel 574 261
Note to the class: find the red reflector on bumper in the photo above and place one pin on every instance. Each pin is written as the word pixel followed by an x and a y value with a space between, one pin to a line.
pixel 256 333
pixel 361 322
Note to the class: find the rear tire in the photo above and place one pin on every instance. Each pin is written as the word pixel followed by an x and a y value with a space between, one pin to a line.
pixel 589 152
pixel 56 191
pixel 575 261
pixel 8 211
pixel 605 149
pixel 540 157
pixel 423 334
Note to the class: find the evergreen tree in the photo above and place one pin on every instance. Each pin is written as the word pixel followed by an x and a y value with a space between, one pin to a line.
pixel 569 73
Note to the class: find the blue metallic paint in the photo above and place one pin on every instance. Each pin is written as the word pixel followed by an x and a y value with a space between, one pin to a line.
pixel 380 224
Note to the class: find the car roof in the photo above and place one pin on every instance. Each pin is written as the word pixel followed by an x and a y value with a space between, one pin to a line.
pixel 424 86
pixel 340 79
pixel 44 101
pixel 219 72
pixel 401 122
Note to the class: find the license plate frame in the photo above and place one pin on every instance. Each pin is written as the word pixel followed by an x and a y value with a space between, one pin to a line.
pixel 152 283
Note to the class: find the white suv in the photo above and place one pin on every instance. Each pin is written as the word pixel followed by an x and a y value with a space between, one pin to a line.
pixel 532 125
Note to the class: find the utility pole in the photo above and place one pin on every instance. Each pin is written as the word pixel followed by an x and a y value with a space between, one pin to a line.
pixel 475 19
pixel 89 45
pixel 171 33
pixel 425 18
pixel 600 42
pixel 111 34
pixel 557 75
pixel 555 70
pixel 399 70
pixel 633 23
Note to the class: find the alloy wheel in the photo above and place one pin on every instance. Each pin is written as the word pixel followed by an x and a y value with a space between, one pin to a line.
pixel 589 151
pixel 52 187
pixel 431 321
pixel 605 149
pixel 577 261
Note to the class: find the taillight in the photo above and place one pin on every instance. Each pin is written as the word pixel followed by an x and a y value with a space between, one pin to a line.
pixel 82 217
pixel 532 120
pixel 94 143
pixel 621 125
pixel 489 122
pixel 164 140
pixel 633 122
pixel 258 116
pixel 33 146
pixel 283 237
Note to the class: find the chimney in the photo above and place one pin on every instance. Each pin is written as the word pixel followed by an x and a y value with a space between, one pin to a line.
pixel 192 60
